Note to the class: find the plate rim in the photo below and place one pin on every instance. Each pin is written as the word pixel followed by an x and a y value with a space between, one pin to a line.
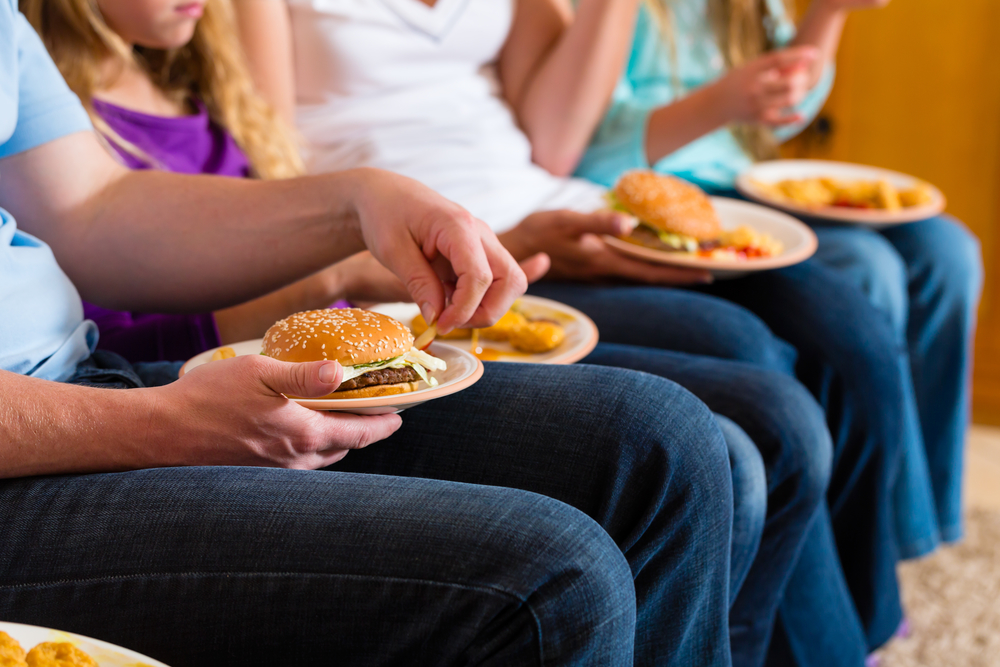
pixel 685 260
pixel 840 214
pixel 128 654
pixel 392 400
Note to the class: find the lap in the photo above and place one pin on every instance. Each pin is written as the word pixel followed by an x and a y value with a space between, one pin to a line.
pixel 675 319
pixel 260 566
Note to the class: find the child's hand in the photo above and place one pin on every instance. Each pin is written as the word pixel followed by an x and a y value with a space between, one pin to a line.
pixel 766 89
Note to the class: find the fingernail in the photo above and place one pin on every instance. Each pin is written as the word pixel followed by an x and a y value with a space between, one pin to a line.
pixel 427 310
pixel 328 373
pixel 627 223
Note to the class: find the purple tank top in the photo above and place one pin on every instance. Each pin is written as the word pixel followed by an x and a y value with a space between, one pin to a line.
pixel 185 145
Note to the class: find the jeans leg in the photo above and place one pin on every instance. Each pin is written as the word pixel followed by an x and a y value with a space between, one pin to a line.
pixel 749 501
pixel 944 272
pixel 676 320
pixel 637 453
pixel 818 625
pixel 249 566
pixel 849 360
pixel 868 261
pixel 789 431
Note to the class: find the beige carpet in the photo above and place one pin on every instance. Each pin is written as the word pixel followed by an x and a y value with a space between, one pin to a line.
pixel 952 599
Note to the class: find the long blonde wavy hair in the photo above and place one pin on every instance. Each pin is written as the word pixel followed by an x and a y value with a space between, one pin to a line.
pixel 210 67
pixel 741 34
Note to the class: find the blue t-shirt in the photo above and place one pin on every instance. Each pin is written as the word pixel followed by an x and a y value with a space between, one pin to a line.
pixel 42 330
pixel 655 77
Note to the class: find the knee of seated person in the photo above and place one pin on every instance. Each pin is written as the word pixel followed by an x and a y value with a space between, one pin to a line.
pixel 589 580
pixel 958 257
pixel 881 275
pixel 757 344
pixel 673 440
pixel 748 473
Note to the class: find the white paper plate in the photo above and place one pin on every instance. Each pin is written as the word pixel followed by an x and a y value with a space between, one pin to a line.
pixel 581 332
pixel 464 370
pixel 798 240
pixel 773 171
pixel 106 655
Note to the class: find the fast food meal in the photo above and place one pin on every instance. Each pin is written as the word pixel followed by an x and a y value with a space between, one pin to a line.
pixel 821 192
pixel 675 216
pixel 375 350
pixel 49 654
pixel 11 653
pixel 58 654
pixel 523 334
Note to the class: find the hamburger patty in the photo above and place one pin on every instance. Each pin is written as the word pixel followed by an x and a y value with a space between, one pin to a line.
pixel 383 376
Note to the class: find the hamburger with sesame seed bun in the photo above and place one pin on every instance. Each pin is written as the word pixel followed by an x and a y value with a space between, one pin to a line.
pixel 676 216
pixel 375 350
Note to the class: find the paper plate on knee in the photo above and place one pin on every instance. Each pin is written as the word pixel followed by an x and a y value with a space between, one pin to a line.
pixel 580 332
pixel 808 180
pixel 797 240
pixel 464 370
pixel 103 653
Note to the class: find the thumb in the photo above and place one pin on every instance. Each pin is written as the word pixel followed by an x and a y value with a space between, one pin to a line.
pixel 310 379
pixel 536 266
pixel 598 222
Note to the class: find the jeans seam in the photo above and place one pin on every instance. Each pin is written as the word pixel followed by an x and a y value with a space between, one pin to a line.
pixel 250 574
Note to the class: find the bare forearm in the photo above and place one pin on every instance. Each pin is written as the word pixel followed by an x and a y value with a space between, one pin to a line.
pixel 568 94
pixel 160 242
pixel 49 428
pixel 677 124
pixel 821 27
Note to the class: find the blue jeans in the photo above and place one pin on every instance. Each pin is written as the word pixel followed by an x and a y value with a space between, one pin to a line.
pixel 423 558
pixel 817 623
pixel 789 433
pixel 774 410
pixel 926 277
pixel 749 503
pixel 844 358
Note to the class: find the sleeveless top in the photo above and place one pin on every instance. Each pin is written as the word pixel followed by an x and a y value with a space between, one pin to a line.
pixel 414 89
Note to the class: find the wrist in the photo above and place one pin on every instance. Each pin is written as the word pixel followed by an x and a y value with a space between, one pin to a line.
pixel 350 192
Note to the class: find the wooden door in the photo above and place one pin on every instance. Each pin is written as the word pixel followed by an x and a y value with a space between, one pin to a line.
pixel 918 90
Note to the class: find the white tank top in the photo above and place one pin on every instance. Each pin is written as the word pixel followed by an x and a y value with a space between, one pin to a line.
pixel 413 89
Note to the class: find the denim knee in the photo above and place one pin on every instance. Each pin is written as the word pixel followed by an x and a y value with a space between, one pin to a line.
pixel 671 436
pixel 589 582
pixel 870 262
pixel 948 252
pixel 805 437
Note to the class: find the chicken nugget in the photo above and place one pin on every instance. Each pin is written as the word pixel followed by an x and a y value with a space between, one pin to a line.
pixel 536 337
pixel 501 331
pixel 11 653
pixel 58 654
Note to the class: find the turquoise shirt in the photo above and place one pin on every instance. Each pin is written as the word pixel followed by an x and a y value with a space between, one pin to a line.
pixel 651 81
pixel 42 330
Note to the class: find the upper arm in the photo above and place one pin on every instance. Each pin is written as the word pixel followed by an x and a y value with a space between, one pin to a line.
pixel 45 187
pixel 266 33
pixel 537 26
